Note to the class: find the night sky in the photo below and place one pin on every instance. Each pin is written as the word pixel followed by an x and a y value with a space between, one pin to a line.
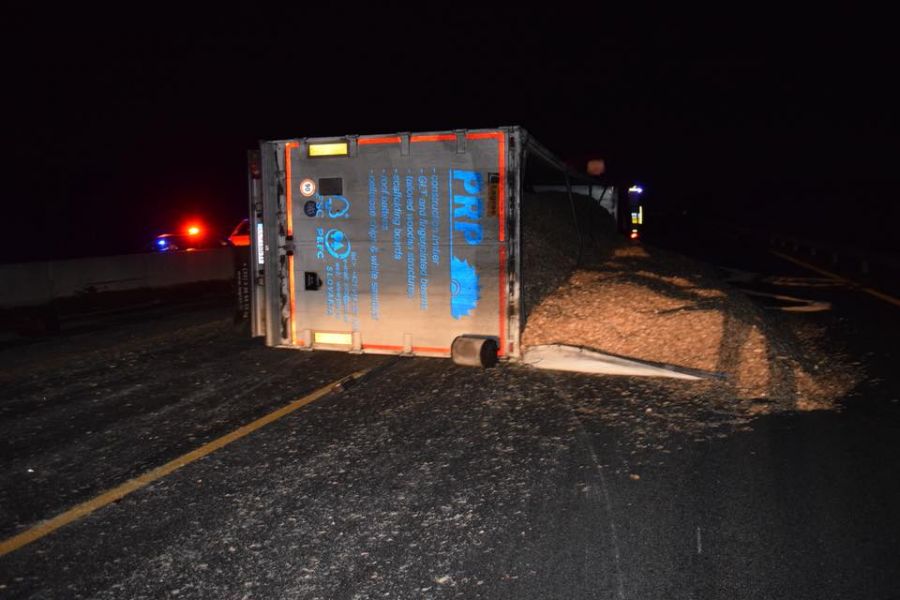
pixel 120 125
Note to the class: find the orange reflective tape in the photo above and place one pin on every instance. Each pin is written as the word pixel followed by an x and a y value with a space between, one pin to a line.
pixel 380 140
pixel 488 135
pixel 393 348
pixel 382 347
pixel 501 223
pixel 501 236
pixel 432 350
pixel 289 185
pixel 293 300
pixel 433 138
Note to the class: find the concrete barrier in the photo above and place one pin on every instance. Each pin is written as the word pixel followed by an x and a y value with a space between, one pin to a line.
pixel 37 283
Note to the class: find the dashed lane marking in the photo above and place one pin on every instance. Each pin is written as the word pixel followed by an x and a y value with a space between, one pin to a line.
pixel 85 508
pixel 797 304
pixel 872 292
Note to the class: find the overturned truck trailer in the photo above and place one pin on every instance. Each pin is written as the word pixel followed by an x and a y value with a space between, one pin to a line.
pixel 408 243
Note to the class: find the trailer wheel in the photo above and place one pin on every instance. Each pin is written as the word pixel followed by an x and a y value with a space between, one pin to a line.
pixel 474 351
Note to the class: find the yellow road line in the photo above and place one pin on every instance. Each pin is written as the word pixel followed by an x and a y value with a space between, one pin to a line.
pixel 119 492
pixel 882 296
pixel 870 291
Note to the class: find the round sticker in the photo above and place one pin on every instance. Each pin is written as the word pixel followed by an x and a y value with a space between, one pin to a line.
pixel 310 208
pixel 307 187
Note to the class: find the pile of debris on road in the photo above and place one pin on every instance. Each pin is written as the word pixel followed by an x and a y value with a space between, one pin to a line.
pixel 645 303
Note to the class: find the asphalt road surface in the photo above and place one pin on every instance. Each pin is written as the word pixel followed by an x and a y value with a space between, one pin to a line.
pixel 427 480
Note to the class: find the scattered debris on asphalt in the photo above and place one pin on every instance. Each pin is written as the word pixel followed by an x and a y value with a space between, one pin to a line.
pixel 645 303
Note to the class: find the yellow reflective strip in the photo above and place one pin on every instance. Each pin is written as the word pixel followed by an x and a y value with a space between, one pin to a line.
pixel 335 149
pixel 341 339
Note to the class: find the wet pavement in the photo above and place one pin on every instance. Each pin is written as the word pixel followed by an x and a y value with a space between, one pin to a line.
pixel 429 480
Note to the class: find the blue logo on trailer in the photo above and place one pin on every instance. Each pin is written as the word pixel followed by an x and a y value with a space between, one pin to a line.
pixel 337 206
pixel 337 244
pixel 466 211
pixel 464 289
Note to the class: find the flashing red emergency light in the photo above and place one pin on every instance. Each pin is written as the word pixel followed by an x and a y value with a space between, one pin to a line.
pixel 193 230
